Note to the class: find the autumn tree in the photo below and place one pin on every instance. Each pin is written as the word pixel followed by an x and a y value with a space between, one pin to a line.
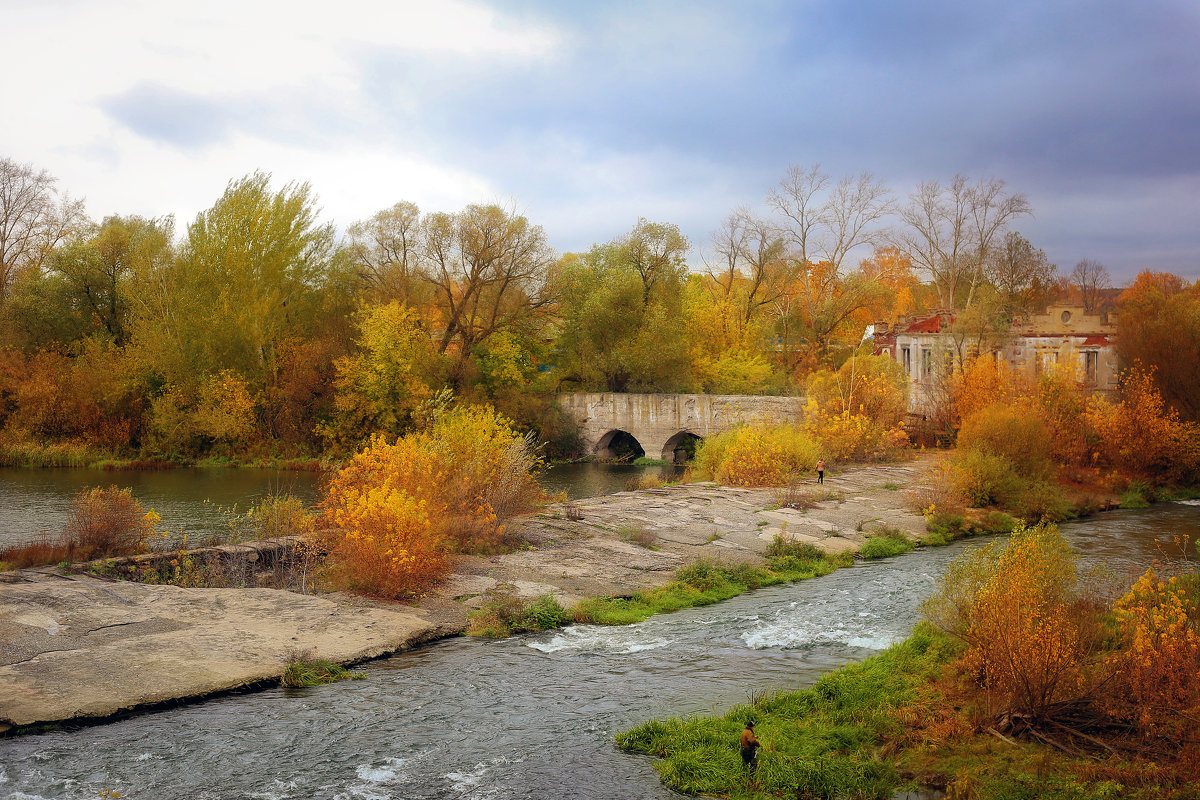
pixel 948 231
pixel 1159 328
pixel 386 253
pixel 821 223
pixel 34 219
pixel 252 274
pixel 1090 278
pixel 657 251
pixel 612 338
pixel 1020 272
pixel 749 264
pixel 487 267
pixel 98 270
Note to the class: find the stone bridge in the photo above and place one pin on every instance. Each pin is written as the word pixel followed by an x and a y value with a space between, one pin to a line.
pixel 663 423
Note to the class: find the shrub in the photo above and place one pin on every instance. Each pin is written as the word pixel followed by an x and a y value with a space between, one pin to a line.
pixel 757 455
pixel 504 614
pixel 781 547
pixel 885 543
pixel 1014 432
pixel 1016 605
pixel 997 522
pixel 983 479
pixel 108 522
pixel 395 509
pixel 637 534
pixel 944 527
pixel 1157 663
pixel 1043 502
pixel 305 669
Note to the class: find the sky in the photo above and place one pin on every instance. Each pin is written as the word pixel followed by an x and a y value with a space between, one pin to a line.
pixel 587 116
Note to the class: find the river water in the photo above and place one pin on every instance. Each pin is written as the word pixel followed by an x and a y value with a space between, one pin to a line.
pixel 199 503
pixel 528 717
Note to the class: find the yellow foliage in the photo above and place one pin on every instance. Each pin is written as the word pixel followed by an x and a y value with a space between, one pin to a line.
pixel 757 455
pixel 396 508
pixel 1029 636
pixel 1158 663
pixel 225 410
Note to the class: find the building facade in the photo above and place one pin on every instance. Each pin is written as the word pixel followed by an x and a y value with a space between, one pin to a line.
pixel 929 347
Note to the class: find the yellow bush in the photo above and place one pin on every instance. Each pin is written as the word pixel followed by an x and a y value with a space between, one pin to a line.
pixel 395 509
pixel 1014 432
pixel 757 455
pixel 1157 665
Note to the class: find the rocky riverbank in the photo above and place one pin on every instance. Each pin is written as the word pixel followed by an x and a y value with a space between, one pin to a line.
pixel 77 647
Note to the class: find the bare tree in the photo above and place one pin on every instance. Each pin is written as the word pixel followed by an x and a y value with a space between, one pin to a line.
pixel 386 250
pixel 821 224
pixel 1091 278
pixel 948 231
pixel 1019 271
pixel 749 252
pixel 33 219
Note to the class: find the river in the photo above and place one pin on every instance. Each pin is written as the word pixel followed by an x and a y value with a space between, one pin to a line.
pixel 199 503
pixel 528 717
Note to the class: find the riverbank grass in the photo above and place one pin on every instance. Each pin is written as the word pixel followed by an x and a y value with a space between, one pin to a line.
pixel 818 742
pixel 704 583
pixel 303 670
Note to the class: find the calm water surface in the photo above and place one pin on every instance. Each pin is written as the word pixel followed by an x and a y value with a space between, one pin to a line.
pixel 35 503
pixel 529 717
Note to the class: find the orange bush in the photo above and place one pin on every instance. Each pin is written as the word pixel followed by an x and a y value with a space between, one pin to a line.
pixel 396 509
pixel 1141 437
pixel 1029 635
pixel 986 382
pixel 108 522
pixel 1158 662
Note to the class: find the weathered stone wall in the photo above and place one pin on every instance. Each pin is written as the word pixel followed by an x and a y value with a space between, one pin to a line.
pixel 658 421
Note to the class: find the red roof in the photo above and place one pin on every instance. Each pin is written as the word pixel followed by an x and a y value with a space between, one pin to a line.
pixel 930 324
pixel 1100 340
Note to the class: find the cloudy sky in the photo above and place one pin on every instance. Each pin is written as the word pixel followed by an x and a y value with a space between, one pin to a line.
pixel 589 115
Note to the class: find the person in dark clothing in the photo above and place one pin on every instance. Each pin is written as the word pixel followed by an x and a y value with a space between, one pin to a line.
pixel 821 471
pixel 749 746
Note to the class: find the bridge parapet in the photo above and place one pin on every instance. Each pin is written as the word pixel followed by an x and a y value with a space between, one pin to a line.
pixel 658 420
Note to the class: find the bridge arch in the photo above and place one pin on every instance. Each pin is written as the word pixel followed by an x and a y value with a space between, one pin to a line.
pixel 654 419
pixel 681 447
pixel 618 445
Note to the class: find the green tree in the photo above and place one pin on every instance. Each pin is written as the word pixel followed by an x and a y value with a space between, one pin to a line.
pixel 613 338
pixel 98 270
pixel 249 275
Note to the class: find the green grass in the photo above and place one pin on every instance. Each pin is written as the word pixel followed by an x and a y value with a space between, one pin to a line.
pixel 503 615
pixel 885 543
pixel 704 583
pixel 307 671
pixel 818 742
pixel 643 461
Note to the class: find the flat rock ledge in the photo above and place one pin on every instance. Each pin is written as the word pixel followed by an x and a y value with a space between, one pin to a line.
pixel 79 648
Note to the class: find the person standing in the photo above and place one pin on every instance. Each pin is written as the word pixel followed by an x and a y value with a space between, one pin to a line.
pixel 749 746
pixel 820 470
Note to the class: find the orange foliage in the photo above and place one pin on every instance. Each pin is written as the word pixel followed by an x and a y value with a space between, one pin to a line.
pixel 1029 636
pixel 1158 663
pixel 395 509
pixel 986 381
pixel 1140 437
